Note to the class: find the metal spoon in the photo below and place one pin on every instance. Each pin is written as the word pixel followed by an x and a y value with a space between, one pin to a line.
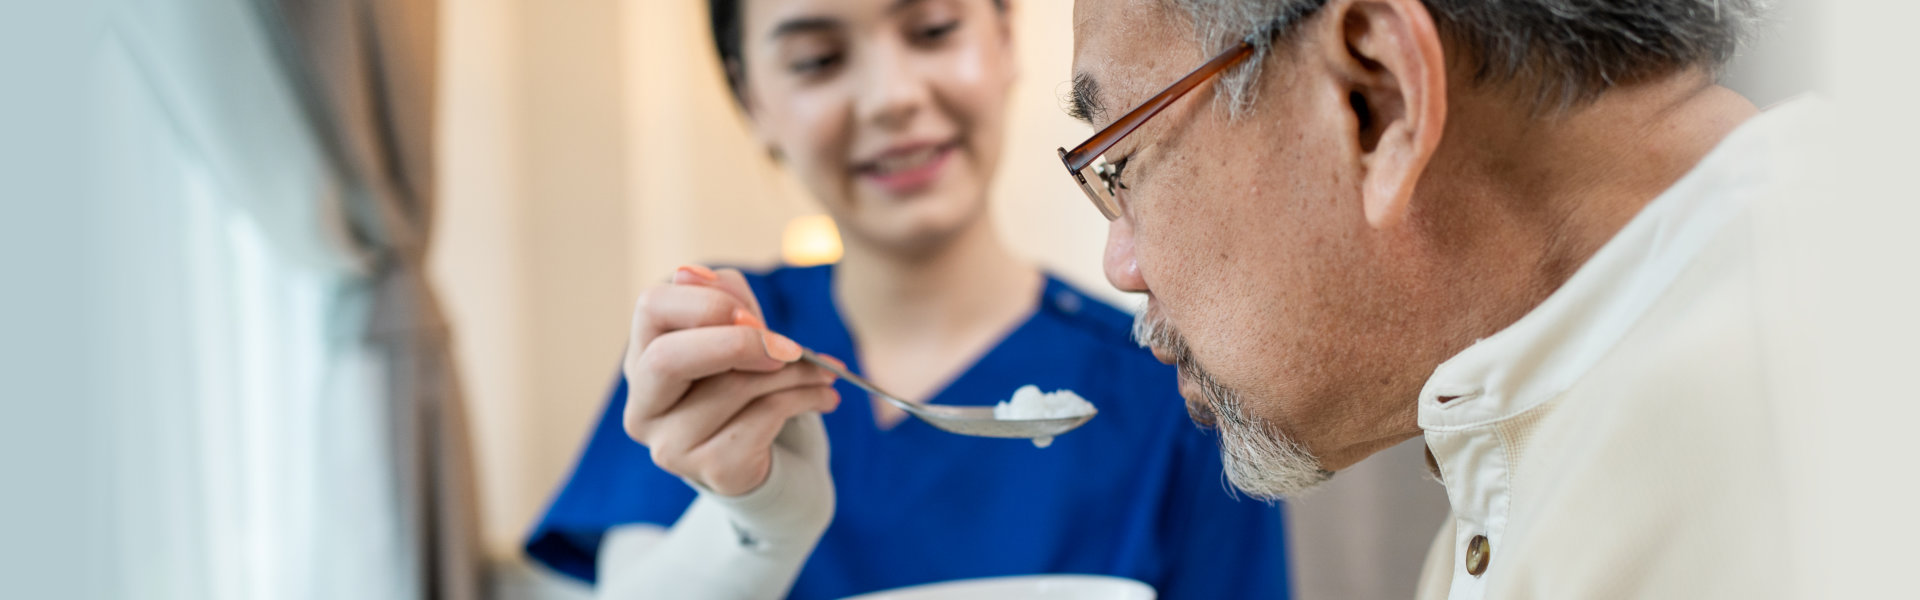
pixel 977 421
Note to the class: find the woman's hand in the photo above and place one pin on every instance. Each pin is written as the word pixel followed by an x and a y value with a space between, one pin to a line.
pixel 709 387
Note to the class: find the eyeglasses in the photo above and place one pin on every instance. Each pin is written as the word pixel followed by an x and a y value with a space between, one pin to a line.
pixel 1088 162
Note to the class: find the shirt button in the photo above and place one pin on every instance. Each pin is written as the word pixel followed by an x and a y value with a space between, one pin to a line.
pixel 1477 555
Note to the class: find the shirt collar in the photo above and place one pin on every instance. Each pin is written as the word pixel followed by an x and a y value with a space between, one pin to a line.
pixel 1551 347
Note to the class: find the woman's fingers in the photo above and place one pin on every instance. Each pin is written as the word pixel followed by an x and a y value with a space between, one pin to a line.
pixel 668 308
pixel 693 275
pixel 735 284
pixel 730 281
pixel 711 402
pixel 708 386
pixel 737 458
pixel 662 372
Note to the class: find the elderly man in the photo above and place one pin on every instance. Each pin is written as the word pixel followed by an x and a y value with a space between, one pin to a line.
pixel 1533 231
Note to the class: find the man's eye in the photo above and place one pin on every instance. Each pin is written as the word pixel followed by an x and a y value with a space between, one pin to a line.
pixel 1113 173
pixel 814 65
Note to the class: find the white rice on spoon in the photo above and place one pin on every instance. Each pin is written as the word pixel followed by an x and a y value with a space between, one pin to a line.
pixel 1030 403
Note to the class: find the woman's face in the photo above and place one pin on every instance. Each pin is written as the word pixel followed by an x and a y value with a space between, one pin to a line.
pixel 890 111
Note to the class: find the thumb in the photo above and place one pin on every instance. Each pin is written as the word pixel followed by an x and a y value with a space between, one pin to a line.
pixel 733 282
pixel 730 281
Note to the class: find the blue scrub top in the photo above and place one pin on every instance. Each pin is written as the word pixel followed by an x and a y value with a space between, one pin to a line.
pixel 1137 492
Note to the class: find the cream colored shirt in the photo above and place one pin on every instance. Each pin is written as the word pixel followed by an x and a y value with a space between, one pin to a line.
pixel 1622 440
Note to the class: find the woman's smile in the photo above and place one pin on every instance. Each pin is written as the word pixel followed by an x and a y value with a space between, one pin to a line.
pixel 907 169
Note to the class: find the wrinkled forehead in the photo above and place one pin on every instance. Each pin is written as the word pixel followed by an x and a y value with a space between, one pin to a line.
pixel 1126 50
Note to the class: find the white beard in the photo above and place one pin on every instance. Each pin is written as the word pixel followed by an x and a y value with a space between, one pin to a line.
pixel 1259 458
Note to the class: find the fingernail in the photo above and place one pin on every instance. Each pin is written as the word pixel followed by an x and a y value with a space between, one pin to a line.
pixel 825 375
pixel 779 347
pixel 742 317
pixel 833 360
pixel 695 273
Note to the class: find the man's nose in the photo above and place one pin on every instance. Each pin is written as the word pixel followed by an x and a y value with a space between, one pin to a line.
pixel 1123 269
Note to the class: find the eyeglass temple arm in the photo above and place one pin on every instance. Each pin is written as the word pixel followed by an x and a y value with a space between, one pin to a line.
pixel 1083 155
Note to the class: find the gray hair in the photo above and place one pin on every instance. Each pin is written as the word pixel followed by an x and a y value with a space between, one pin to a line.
pixel 1563 52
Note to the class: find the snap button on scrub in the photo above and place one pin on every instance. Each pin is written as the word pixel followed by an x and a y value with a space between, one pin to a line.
pixel 1477 555
pixel 1066 302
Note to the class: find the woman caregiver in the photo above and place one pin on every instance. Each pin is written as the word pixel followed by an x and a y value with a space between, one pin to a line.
pixel 709 474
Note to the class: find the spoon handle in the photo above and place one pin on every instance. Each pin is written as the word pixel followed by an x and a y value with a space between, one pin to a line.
pixel 809 356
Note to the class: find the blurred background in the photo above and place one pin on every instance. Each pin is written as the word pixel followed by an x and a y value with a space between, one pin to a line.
pixel 355 277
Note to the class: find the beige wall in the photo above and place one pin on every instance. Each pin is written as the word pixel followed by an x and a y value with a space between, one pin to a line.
pixel 588 148
pixel 477 258
pixel 532 248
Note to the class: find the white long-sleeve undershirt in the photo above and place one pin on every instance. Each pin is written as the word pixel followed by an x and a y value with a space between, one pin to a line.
pixel 745 547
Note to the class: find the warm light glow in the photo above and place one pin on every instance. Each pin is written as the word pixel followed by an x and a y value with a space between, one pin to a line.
pixel 810 240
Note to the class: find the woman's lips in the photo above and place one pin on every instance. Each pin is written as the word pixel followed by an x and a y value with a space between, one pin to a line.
pixel 903 173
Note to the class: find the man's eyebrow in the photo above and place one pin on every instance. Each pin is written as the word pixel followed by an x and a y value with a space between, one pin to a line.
pixel 1083 102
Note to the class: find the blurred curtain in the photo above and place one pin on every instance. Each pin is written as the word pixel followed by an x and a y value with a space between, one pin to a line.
pixel 366 72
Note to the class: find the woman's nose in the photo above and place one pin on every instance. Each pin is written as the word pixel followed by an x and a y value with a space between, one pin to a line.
pixel 891 92
pixel 1123 269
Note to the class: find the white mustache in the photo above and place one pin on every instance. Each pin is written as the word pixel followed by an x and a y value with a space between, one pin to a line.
pixel 1258 458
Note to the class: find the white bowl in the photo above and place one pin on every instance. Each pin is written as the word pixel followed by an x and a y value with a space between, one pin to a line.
pixel 1024 587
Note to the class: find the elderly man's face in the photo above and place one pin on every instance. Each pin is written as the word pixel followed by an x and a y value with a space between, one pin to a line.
pixel 1250 238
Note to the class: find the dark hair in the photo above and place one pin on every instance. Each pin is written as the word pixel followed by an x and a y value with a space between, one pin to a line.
pixel 724 16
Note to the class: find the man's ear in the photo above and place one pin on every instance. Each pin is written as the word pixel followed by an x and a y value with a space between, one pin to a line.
pixel 1391 66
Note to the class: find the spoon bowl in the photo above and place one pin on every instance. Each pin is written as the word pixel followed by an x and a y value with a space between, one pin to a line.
pixel 976 421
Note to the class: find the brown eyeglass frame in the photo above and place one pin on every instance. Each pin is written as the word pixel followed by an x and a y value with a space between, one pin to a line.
pixel 1087 152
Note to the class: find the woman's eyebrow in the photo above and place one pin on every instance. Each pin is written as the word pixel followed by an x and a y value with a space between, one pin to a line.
pixel 798 25
pixel 899 5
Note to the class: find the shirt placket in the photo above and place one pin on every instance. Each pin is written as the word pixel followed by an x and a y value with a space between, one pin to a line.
pixel 1472 460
